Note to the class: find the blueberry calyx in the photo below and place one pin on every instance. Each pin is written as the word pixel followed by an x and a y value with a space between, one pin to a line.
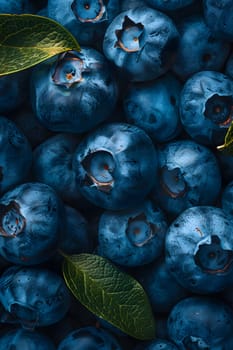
pixel 12 222
pixel 68 69
pixel 211 257
pixel 219 109
pixel 87 11
pixel 139 230
pixel 172 182
pixel 128 38
pixel 99 167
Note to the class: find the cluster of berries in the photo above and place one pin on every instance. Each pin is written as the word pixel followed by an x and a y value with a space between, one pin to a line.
pixel 113 150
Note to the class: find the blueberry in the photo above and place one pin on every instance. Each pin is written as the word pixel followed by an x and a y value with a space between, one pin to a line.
pixel 206 106
pixel 199 249
pixel 69 90
pixel 15 156
pixel 52 165
pixel 200 323
pixel 161 287
pixel 199 48
pixel 154 107
pixel 116 166
pixel 189 175
pixel 218 16
pixel 31 219
pixel 85 19
pixel 89 338
pixel 142 42
pixel 34 297
pixel 18 339
pixel 132 237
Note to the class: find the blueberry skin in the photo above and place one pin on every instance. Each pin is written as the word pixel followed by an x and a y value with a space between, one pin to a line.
pixel 31 221
pixel 169 5
pixel 154 107
pixel 206 106
pixel 15 155
pixel 86 20
pixel 142 42
pixel 20 338
pixel 132 237
pixel 189 175
pixel 200 323
pixel 34 297
pixel 116 166
pixel 227 199
pixel 199 249
pixel 14 89
pixel 52 165
pixel 73 92
pixel 161 287
pixel 158 344
pixel 75 238
pixel 87 338
pixel 199 48
pixel 219 16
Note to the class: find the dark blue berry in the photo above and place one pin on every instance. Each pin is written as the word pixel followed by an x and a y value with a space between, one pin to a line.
pixel 200 323
pixel 132 237
pixel 31 219
pixel 206 106
pixel 154 107
pixel 199 249
pixel 142 42
pixel 34 297
pixel 116 166
pixel 74 92
pixel 189 175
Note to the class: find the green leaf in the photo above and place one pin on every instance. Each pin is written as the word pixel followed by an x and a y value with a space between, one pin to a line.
pixel 110 294
pixel 26 40
pixel 227 147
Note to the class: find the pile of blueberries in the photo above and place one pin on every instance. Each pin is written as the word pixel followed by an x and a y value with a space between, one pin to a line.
pixel 113 150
